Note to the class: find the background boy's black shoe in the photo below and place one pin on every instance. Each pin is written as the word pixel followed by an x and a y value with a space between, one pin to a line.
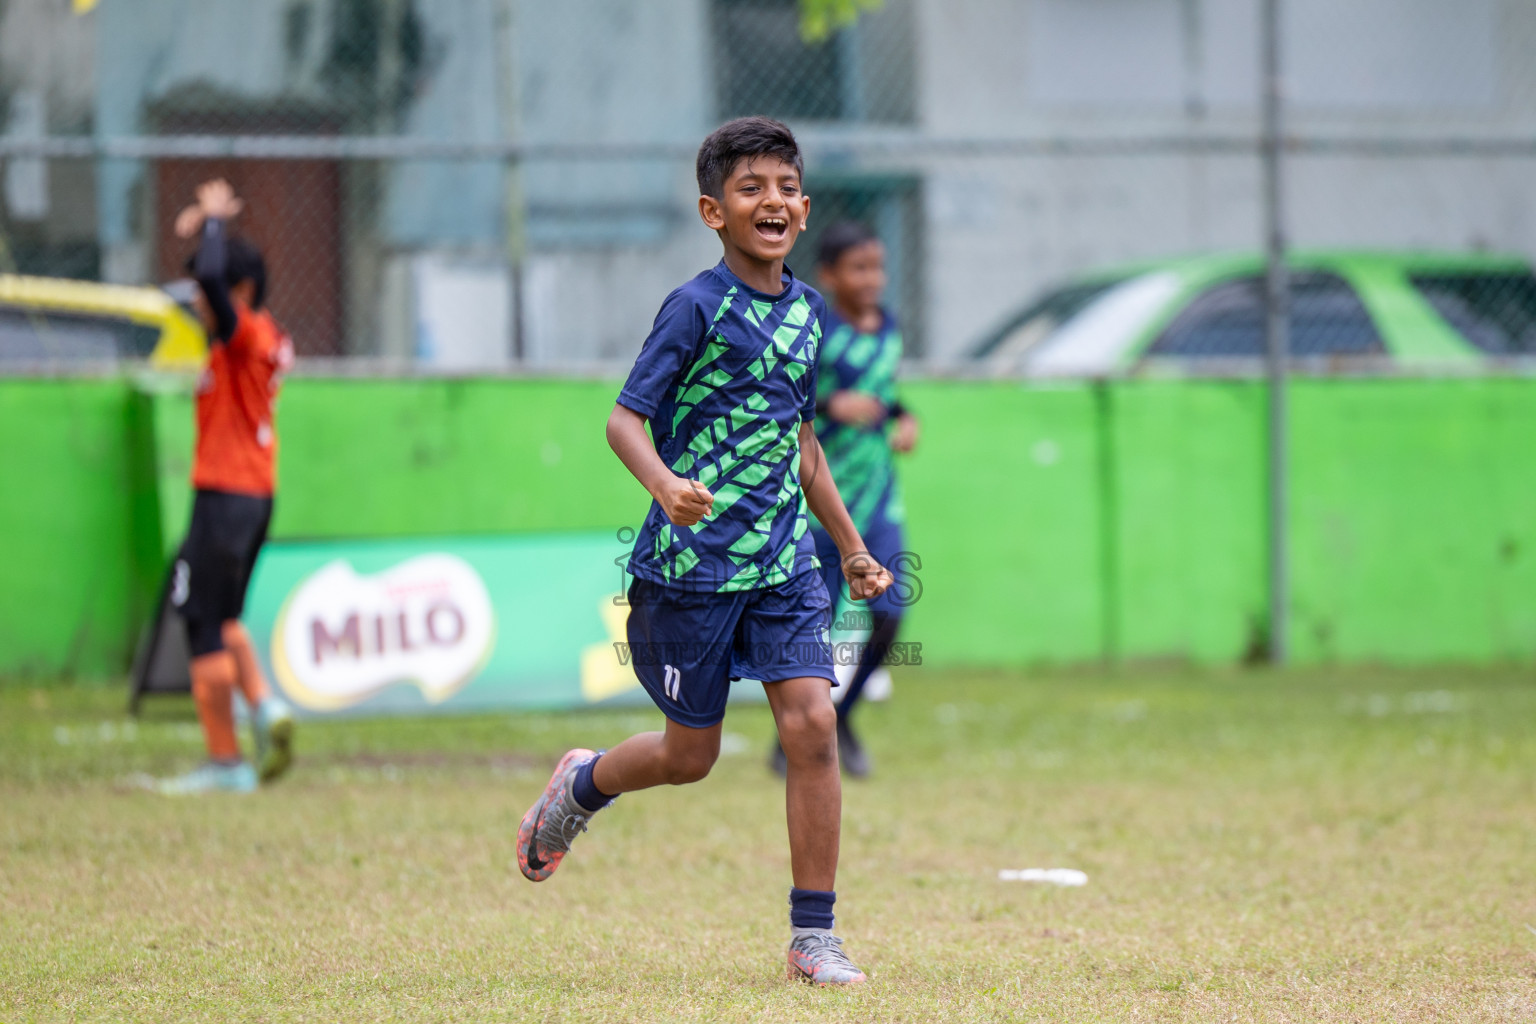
pixel 851 752
pixel 777 762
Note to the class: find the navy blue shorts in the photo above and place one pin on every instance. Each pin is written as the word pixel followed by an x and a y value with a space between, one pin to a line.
pixel 885 541
pixel 686 647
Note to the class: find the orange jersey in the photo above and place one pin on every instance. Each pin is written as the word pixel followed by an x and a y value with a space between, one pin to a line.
pixel 236 437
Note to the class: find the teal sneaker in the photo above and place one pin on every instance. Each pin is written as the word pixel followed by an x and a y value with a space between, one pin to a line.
pixel 211 778
pixel 273 727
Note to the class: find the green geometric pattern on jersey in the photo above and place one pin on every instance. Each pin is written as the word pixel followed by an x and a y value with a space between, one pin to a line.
pixel 731 469
pixel 860 458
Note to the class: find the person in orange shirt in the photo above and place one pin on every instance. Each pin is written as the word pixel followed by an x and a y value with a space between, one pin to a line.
pixel 233 480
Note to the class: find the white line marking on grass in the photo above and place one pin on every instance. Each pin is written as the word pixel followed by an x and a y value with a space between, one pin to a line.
pixel 1054 876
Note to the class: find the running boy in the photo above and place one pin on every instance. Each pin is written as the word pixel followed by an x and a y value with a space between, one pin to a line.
pixel 860 422
pixel 232 475
pixel 725 573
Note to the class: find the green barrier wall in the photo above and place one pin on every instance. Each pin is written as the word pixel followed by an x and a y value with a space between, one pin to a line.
pixel 1054 523
pixel 1187 485
pixel 1004 509
pixel 1414 520
pixel 72 488
pixel 379 458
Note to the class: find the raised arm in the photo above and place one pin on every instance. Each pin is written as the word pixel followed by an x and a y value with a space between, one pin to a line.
pixel 209 267
pixel 216 204
pixel 866 577
pixel 684 501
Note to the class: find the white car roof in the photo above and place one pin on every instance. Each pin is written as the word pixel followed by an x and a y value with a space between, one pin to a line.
pixel 1096 340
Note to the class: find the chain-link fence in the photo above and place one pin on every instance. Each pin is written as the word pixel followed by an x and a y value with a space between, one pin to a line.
pixel 1063 186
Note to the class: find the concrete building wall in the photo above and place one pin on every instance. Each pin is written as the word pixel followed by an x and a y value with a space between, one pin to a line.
pixel 46 48
pixel 591 248
pixel 606 241
pixel 47 208
pixel 1001 229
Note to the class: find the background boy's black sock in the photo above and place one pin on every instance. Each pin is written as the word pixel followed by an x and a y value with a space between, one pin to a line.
pixel 879 645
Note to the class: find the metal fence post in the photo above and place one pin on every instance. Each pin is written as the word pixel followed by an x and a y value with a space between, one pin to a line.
pixel 1276 294
pixel 516 247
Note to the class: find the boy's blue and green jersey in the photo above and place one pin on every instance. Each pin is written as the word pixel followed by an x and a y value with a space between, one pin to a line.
pixel 726 378
pixel 860 457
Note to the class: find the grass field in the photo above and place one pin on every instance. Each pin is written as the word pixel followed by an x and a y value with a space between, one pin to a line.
pixel 1311 846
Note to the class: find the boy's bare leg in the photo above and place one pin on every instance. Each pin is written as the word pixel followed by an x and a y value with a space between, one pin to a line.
pixel 248 675
pixel 813 792
pixel 672 758
pixel 271 720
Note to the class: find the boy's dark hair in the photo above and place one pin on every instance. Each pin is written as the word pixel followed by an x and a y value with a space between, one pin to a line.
pixel 242 262
pixel 737 140
pixel 839 238
pixel 246 264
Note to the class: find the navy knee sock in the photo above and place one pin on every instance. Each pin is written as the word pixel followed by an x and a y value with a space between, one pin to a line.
pixel 585 790
pixel 811 908
pixel 875 649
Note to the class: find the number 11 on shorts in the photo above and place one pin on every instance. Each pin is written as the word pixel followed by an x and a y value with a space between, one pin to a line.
pixel 672 681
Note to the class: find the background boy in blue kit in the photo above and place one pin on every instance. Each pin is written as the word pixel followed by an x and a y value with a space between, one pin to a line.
pixel 726 576
pixel 860 423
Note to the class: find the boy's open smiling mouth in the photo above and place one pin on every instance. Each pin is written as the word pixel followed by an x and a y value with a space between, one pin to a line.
pixel 772 228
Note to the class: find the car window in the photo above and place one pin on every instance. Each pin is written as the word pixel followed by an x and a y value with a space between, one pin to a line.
pixel 1495 312
pixel 1227 320
pixel 1037 322
pixel 32 336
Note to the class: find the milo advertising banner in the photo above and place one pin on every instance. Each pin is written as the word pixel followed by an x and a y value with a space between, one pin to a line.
pixel 452 624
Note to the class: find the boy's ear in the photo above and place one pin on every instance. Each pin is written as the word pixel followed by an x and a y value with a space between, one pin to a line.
pixel 805 212
pixel 711 212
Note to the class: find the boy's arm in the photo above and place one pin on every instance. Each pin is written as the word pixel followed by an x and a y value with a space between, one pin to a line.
pixel 856 407
pixel 866 577
pixel 684 501
pixel 904 437
pixel 208 267
pixel 216 204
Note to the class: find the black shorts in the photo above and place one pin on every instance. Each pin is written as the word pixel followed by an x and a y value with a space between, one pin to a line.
pixel 214 565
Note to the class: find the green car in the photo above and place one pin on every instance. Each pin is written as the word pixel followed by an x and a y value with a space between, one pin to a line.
pixel 1348 310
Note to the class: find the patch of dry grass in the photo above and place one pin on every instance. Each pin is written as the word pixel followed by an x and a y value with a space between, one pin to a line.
pixel 1313 846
